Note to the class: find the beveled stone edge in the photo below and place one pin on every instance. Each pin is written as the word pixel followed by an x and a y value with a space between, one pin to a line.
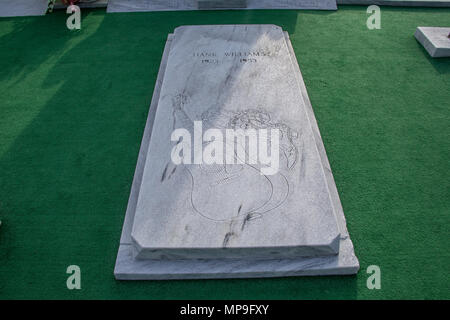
pixel 332 189
pixel 249 252
pixel 127 268
pixel 334 194
pixel 125 237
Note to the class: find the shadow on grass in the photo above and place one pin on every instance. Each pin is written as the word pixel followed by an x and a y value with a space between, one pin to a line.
pixel 441 65
pixel 32 42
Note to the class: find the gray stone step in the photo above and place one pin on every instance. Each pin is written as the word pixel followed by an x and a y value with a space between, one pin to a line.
pixel 435 40
pixel 15 8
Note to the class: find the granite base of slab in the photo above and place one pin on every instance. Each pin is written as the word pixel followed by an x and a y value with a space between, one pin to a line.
pixel 397 3
pixel 129 268
pixel 435 40
pixel 175 5
pixel 19 8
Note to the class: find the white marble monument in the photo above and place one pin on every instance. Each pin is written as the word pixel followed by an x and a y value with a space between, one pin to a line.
pixel 230 220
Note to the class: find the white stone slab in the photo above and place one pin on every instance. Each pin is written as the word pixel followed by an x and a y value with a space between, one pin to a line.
pixel 435 40
pixel 15 8
pixel 233 211
pixel 128 268
pixel 164 5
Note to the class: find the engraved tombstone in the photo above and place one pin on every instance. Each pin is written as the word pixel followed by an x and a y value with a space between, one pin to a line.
pixel 269 211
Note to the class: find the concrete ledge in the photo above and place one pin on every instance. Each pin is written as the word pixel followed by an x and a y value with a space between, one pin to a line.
pixel 19 8
pixel 180 5
pixel 397 3
pixel 82 5
pixel 435 40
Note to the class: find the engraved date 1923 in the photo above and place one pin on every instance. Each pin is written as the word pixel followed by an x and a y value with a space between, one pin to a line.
pixel 248 60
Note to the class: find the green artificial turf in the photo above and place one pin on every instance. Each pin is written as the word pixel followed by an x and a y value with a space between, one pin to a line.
pixel 73 106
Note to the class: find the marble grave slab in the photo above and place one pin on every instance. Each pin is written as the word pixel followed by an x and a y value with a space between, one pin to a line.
pixel 189 221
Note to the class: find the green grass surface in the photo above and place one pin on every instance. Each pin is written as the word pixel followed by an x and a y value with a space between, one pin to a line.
pixel 73 106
